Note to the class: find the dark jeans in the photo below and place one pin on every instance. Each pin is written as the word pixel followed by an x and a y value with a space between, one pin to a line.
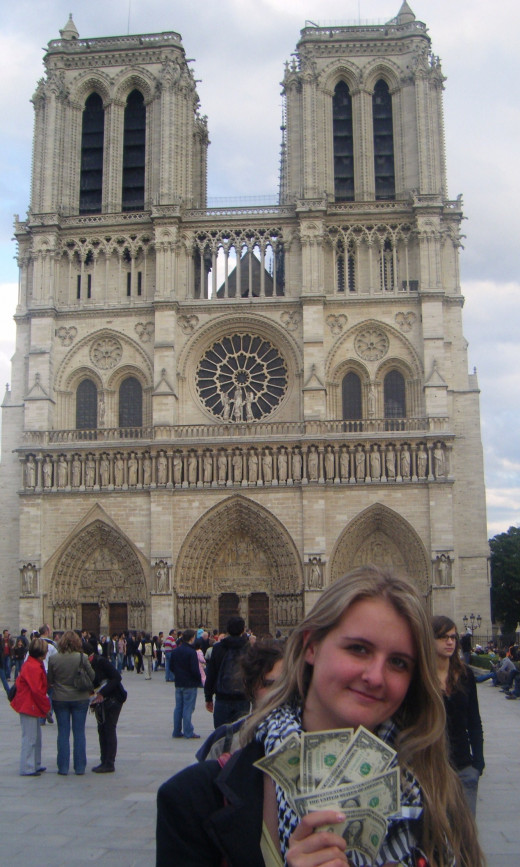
pixel 185 699
pixel 229 711
pixel 4 679
pixel 107 715
pixel 74 712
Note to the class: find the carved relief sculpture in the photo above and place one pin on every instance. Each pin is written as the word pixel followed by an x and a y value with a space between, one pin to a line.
pixel 375 463
pixel 443 570
pixel 267 467
pixel 162 577
pixel 237 467
pixel 132 470
pixel 90 472
pixel 192 468
pixel 62 472
pixel 119 467
pixel 252 467
pixel 360 463
pixel 297 465
pixel 222 468
pixel 422 460
pixel 47 473
pixel 329 464
pixel 438 461
pixel 177 468
pixel 282 466
pixel 147 470
pixel 390 462
pixel 314 571
pixel 405 463
pixel 343 463
pixel 162 469
pixel 28 574
pixel 104 470
pixel 207 464
pixel 76 472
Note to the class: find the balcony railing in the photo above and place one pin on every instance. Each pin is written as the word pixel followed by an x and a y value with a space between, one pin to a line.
pixel 189 433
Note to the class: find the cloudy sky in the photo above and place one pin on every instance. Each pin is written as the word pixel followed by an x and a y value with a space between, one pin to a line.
pixel 239 48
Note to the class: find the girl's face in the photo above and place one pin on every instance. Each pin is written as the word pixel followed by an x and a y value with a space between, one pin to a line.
pixel 362 668
pixel 446 645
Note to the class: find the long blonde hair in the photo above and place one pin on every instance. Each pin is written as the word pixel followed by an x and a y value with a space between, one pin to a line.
pixel 421 719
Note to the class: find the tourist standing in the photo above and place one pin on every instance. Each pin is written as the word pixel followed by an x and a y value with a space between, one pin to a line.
pixel 33 705
pixel 70 703
pixel 185 667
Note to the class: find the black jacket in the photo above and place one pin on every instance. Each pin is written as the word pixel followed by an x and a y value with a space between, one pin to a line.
pixel 105 671
pixel 466 741
pixel 215 661
pixel 206 812
pixel 184 664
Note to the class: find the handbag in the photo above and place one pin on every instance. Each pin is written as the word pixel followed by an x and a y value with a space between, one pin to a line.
pixel 82 679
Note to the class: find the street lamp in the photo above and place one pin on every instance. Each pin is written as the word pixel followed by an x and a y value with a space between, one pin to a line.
pixel 472 620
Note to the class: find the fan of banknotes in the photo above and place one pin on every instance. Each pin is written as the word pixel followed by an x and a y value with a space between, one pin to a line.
pixel 342 770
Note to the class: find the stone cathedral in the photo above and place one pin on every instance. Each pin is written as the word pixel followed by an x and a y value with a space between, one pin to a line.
pixel 223 409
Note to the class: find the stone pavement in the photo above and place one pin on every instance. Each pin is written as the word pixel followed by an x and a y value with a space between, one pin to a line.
pixel 110 819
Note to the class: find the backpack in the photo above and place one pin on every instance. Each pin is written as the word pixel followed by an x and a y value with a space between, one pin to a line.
pixel 228 678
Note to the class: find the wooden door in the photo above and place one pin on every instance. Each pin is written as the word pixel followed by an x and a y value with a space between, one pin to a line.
pixel 117 617
pixel 227 607
pixel 90 617
pixel 258 614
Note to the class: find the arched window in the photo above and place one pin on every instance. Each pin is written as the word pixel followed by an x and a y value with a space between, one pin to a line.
pixel 130 403
pixel 343 143
pixel 346 267
pixel 351 397
pixel 387 267
pixel 92 138
pixel 86 405
pixel 383 141
pixel 134 141
pixel 395 395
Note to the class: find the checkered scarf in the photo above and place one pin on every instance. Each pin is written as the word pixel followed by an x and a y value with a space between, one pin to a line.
pixel 400 843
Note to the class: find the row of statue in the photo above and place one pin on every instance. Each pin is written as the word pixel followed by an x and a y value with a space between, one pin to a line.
pixel 287 609
pixel 253 466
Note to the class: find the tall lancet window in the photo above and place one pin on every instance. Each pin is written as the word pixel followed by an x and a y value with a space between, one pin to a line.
pixel 343 143
pixel 92 139
pixel 383 141
pixel 134 142
pixel 86 405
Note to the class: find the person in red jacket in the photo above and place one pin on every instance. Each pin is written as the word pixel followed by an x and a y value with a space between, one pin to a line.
pixel 32 703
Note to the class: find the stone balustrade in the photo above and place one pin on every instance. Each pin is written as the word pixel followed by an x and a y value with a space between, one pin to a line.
pixel 338 462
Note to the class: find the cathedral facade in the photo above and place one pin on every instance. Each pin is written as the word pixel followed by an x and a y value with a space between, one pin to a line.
pixel 220 410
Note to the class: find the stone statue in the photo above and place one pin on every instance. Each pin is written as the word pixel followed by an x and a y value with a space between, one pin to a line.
pixel 422 459
pixel 390 462
pixel 192 468
pixel 30 473
pixel 343 463
pixel 315 581
pixel 90 472
pixel 177 468
pixel 249 406
pixel 296 466
pixel 207 464
pixel 237 467
pixel 76 472
pixel 312 464
pixel 226 406
pixel 104 471
pixel 28 576
pixel 162 578
pixel 147 470
pixel 62 472
pixel 132 470
pixel 47 473
pixel 238 403
pixel 119 467
pixel 360 463
pixel 252 468
pixel 438 461
pixel 162 469
pixel 267 467
pixel 101 411
pixel 329 464
pixel 405 463
pixel 375 463
pixel 371 402
pixel 222 468
pixel 282 466
pixel 443 570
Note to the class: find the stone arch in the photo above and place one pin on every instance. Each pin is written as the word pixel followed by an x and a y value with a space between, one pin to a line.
pixel 345 71
pixel 385 69
pixel 399 348
pixel 134 79
pixel 381 536
pixel 83 86
pixel 97 565
pixel 239 547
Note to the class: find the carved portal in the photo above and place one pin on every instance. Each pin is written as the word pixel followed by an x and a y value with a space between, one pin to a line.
pixel 238 547
pixel 99 567
pixel 382 537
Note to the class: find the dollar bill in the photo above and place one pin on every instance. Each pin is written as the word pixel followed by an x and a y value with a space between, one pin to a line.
pixel 320 752
pixel 366 756
pixel 381 793
pixel 364 831
pixel 283 765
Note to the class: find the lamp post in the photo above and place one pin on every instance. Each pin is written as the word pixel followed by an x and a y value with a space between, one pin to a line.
pixel 472 620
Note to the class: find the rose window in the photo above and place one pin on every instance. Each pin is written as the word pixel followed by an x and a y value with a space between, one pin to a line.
pixel 241 378
pixel 106 352
pixel 372 344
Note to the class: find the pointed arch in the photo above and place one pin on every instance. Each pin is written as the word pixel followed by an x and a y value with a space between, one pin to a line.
pixel 381 536
pixel 239 547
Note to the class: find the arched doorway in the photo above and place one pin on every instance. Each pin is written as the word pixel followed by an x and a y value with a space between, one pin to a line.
pixel 98 583
pixel 239 550
pixel 382 537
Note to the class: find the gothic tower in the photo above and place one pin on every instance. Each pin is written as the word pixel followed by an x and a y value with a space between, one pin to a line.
pixel 224 409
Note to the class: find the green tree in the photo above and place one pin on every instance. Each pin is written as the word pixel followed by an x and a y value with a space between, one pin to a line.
pixel 505 578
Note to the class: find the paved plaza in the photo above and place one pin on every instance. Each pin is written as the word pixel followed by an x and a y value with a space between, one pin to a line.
pixel 111 819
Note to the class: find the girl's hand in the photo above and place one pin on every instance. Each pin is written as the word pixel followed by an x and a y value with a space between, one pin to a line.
pixel 311 848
